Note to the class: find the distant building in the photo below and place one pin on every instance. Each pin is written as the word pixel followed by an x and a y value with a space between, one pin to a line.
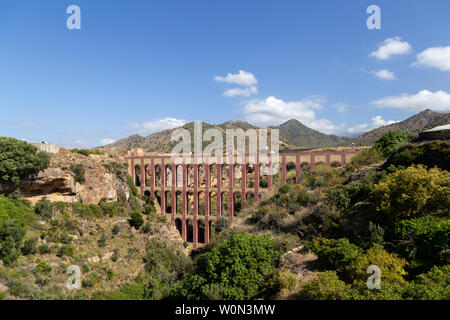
pixel 437 133
pixel 47 147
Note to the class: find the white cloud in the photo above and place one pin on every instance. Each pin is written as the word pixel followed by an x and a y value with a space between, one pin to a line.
pixel 273 111
pixel 106 141
pixel 150 127
pixel 341 107
pixel 377 122
pixel 246 92
pixel 384 74
pixel 438 101
pixel 438 57
pixel 391 47
pixel 243 78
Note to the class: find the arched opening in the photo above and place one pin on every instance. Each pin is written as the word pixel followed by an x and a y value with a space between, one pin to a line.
pixel 201 176
pixel 179 176
pixel 237 202
pixel 168 181
pixel 250 198
pixel 168 208
pixel 237 176
pixel 158 175
pixel 225 204
pixel 305 166
pixel 137 174
pixel 148 175
pixel 213 176
pixel 213 203
pixel 190 176
pixel 158 197
pixel 336 164
pixel 190 202
pixel 189 231
pixel 201 230
pixel 147 194
pixel 291 173
pixel 179 202
pixel 179 226
pixel 201 203
pixel 250 176
pixel 225 176
pixel 264 171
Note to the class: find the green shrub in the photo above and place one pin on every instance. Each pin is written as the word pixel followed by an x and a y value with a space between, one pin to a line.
pixel 422 238
pixel 367 157
pixel 102 241
pixel 280 281
pixel 65 250
pixel 391 266
pixel 146 228
pixel 164 266
pixel 109 274
pixel 16 209
pixel 19 160
pixel 327 286
pixel 334 254
pixel 391 142
pixel 43 267
pixel 44 208
pixel 11 237
pixel 136 219
pixel 115 229
pixel 43 249
pixel 413 192
pixel 430 154
pixel 83 152
pixel 240 264
pixel 78 172
pixel 19 288
pixel 434 285
pixel 29 246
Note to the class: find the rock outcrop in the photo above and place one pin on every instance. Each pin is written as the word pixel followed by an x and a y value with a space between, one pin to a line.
pixel 57 182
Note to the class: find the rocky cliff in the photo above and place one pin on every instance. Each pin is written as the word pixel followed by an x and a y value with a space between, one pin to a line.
pixel 58 182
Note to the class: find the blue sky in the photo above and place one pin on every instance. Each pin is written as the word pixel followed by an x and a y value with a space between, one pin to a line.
pixel 140 66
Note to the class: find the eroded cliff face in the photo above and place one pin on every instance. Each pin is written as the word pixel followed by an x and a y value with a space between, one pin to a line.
pixel 57 182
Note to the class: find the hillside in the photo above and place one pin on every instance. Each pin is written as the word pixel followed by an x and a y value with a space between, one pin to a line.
pixel 160 142
pixel 300 135
pixel 422 121
pixel 292 134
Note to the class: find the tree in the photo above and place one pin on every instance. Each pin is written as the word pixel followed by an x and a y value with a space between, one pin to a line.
pixel 136 219
pixel 11 236
pixel 392 141
pixel 334 254
pixel 19 160
pixel 240 264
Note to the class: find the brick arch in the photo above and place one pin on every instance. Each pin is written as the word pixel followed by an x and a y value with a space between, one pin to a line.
pixel 159 176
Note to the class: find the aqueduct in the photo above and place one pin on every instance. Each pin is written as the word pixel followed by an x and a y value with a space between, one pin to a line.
pixel 196 195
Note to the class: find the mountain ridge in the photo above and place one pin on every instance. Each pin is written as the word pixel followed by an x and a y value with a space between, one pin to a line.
pixel 293 133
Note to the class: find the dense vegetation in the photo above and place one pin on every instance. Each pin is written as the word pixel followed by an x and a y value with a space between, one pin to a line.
pixel 388 208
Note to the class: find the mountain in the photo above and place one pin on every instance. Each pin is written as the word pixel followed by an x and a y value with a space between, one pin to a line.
pixel 293 134
pixel 422 121
pixel 160 142
pixel 300 135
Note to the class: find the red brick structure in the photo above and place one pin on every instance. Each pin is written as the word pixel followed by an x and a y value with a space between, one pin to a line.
pixel 195 195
